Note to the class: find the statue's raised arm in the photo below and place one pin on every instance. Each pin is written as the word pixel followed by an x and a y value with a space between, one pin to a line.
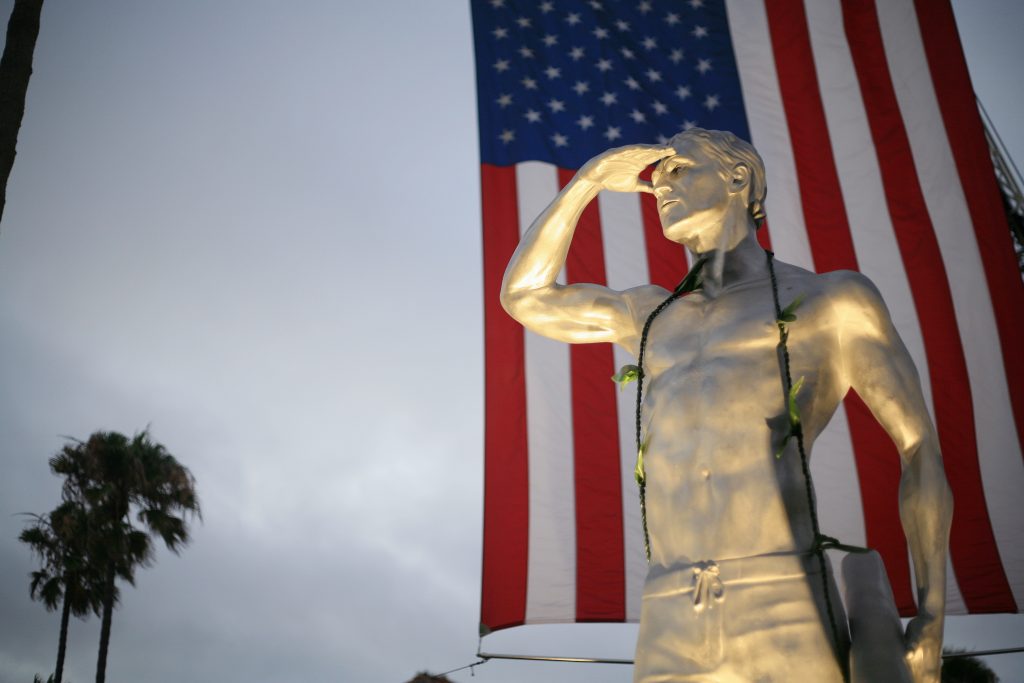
pixel 581 312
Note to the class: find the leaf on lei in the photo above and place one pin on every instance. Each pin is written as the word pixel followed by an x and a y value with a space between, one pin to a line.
pixel 794 416
pixel 794 410
pixel 693 281
pixel 626 374
pixel 788 314
pixel 785 442
pixel 638 471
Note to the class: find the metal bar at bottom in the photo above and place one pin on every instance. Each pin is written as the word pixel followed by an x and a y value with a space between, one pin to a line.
pixel 603 660
pixel 983 653
pixel 546 658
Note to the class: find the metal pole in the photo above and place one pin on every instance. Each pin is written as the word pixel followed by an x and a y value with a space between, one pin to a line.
pixel 604 660
pixel 983 653
pixel 546 658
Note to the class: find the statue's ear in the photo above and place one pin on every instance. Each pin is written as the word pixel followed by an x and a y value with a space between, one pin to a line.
pixel 740 178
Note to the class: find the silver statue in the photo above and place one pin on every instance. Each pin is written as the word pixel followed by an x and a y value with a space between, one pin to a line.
pixel 733 591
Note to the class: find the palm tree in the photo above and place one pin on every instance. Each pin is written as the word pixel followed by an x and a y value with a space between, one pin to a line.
pixel 119 478
pixel 65 576
pixel 15 70
pixel 962 668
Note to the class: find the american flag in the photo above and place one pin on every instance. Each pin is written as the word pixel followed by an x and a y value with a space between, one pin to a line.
pixel 876 161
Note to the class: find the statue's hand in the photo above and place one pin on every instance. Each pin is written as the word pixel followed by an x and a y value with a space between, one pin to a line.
pixel 619 169
pixel 923 641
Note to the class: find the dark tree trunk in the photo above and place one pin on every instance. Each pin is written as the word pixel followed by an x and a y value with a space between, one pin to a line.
pixel 108 610
pixel 15 70
pixel 62 644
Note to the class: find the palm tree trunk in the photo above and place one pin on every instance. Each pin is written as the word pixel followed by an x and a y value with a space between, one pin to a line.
pixel 62 644
pixel 15 70
pixel 108 609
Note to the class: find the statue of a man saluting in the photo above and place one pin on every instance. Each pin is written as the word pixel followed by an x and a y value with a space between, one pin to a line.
pixel 735 589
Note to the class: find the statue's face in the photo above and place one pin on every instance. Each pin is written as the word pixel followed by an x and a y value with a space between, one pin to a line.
pixel 693 193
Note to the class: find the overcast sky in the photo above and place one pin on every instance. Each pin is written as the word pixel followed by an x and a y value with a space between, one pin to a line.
pixel 253 225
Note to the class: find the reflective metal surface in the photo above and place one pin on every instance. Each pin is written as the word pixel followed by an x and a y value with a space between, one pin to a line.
pixel 716 494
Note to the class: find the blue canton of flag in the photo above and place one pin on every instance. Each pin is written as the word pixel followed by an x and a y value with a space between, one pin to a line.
pixel 563 81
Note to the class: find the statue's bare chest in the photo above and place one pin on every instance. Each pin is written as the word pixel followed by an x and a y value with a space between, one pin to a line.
pixel 735 330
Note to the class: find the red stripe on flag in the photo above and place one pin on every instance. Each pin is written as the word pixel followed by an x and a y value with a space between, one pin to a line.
pixel 764 236
pixel 666 261
pixel 828 232
pixel 600 563
pixel 977 177
pixel 506 481
pixel 979 571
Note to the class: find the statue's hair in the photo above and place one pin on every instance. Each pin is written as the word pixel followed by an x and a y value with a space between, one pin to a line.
pixel 730 150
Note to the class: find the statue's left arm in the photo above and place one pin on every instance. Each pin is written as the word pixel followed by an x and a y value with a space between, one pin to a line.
pixel 877 365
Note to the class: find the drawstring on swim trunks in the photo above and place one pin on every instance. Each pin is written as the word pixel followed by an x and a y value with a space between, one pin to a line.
pixel 707 587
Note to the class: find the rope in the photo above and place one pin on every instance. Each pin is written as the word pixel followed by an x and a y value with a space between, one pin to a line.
pixel 471 667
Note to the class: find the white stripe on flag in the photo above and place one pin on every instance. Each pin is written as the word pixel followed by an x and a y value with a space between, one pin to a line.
pixel 551 561
pixel 622 233
pixel 998 447
pixel 769 130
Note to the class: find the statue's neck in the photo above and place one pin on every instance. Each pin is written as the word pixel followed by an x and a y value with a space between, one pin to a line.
pixel 744 263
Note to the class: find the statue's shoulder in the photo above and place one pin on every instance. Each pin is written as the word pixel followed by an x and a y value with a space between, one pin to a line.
pixel 644 299
pixel 843 293
pixel 851 286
